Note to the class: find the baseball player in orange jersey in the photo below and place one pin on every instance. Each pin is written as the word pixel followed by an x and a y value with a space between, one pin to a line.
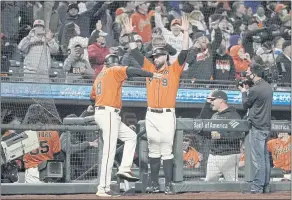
pixel 281 153
pixel 49 141
pixel 161 97
pixel 106 94
pixel 49 145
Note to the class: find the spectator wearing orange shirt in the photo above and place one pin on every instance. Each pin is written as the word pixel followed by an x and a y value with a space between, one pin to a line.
pixel 240 58
pixel 281 153
pixel 141 21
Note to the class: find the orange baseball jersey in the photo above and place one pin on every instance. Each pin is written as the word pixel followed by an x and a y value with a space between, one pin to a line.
pixel 191 158
pixel 142 25
pixel 107 87
pixel 161 93
pixel 281 153
pixel 49 145
pixel 242 157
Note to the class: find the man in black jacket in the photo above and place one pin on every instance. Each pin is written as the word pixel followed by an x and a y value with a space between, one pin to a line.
pixel 225 146
pixel 258 100
pixel 284 62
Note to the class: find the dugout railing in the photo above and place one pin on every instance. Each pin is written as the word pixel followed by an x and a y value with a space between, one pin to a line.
pixel 179 184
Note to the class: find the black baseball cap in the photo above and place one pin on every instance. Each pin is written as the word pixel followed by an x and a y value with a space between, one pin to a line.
pixel 218 94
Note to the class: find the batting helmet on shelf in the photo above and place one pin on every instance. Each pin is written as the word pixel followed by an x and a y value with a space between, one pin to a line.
pixel 111 60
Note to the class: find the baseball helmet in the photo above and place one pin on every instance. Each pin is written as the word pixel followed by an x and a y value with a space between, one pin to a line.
pixel 111 60
pixel 159 52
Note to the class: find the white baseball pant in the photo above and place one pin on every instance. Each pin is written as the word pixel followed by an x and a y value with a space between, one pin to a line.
pixel 227 165
pixel 32 175
pixel 160 128
pixel 113 129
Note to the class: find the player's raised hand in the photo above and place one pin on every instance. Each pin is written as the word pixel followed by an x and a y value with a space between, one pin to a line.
pixel 157 75
pixel 128 27
pixel 184 23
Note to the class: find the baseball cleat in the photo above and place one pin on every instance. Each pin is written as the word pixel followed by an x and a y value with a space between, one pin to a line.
pixel 154 188
pixel 129 176
pixel 107 194
pixel 168 190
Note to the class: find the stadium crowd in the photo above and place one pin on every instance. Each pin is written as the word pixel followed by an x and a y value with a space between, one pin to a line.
pixel 71 38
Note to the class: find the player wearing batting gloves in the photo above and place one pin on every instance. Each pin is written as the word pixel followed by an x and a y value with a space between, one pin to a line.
pixel 106 94
pixel 161 98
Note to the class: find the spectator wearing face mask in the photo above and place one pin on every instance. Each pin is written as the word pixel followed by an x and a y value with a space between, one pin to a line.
pixel 223 64
pixel 97 50
pixel 240 58
pixel 37 48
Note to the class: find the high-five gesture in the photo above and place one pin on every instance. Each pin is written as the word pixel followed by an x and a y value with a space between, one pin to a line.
pixel 128 27
pixel 184 23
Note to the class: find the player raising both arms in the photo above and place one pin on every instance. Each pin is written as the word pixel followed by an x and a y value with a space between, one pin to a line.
pixel 161 96
pixel 107 96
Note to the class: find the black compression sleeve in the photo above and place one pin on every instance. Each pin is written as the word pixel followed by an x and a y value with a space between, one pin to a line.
pixel 182 56
pixel 134 72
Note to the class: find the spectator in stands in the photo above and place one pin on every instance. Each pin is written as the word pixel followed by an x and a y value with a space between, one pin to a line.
pixel 6 53
pixel 128 59
pixel 278 42
pixel 223 64
pixel 197 20
pixel 260 16
pixel 37 48
pixel 62 10
pixel 10 20
pixel 158 41
pixel 240 58
pixel 250 46
pixel 226 27
pixel 191 157
pixel 281 153
pixel 97 50
pixel 239 12
pixel 47 12
pixel 225 146
pixel 128 7
pixel 77 66
pixel 82 20
pixel 234 40
pixel 283 62
pixel 117 25
pixel 83 150
pixel 26 19
pixel 173 37
pixel 201 55
pixel 50 144
pixel 141 20
pixel 70 30
pixel 103 14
